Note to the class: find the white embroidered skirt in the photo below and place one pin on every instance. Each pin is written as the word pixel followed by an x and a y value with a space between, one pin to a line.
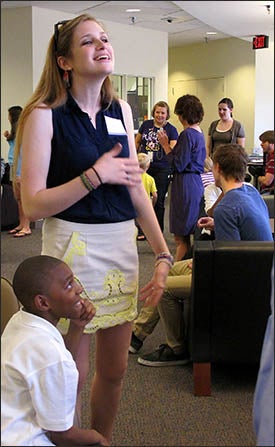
pixel 104 258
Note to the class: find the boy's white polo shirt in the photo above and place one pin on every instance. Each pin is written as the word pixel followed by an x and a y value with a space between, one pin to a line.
pixel 38 381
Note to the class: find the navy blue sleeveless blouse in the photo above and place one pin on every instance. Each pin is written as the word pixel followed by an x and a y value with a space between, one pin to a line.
pixel 76 145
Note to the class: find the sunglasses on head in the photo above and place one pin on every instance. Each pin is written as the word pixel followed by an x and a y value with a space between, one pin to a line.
pixel 56 31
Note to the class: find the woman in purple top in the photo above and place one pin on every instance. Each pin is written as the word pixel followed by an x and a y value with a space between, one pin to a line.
pixel 147 141
pixel 187 161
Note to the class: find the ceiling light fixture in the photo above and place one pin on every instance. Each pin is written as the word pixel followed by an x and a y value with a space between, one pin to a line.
pixel 133 10
pixel 211 33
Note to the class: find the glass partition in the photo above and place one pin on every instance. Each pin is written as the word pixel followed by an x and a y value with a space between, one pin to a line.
pixel 138 92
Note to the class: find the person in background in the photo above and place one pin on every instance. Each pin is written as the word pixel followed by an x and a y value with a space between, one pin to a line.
pixel 178 282
pixel 3 170
pixel 224 130
pixel 263 404
pixel 149 185
pixel 266 181
pixel 23 229
pixel 207 175
pixel 241 214
pixel 187 161
pixel 38 373
pixel 147 141
pixel 13 117
pixel 208 182
pixel 80 173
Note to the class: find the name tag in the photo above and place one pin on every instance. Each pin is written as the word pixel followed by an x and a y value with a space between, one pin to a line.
pixel 114 126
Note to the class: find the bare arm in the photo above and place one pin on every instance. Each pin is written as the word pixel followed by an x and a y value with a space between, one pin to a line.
pixel 138 140
pixel 76 437
pixel 210 211
pixel 266 179
pixel 241 141
pixel 75 331
pixel 154 198
pixel 164 141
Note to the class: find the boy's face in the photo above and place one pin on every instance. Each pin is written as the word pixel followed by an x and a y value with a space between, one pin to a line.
pixel 64 293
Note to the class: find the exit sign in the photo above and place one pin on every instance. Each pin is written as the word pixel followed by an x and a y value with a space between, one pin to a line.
pixel 260 41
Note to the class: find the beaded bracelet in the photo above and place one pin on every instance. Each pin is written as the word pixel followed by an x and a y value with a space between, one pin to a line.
pixel 85 182
pixel 165 255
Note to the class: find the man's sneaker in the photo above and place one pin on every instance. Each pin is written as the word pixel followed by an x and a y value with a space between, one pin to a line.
pixel 135 344
pixel 164 356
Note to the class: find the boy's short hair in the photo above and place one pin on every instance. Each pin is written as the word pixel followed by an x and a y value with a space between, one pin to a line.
pixel 268 135
pixel 144 160
pixel 232 159
pixel 32 277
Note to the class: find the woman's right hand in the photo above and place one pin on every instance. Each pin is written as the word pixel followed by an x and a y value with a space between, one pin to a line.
pixel 117 170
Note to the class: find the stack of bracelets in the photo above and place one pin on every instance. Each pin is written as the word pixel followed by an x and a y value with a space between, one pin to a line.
pixel 164 257
pixel 87 181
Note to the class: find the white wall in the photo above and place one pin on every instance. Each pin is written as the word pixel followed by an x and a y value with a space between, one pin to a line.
pixel 16 64
pixel 138 52
pixel 248 75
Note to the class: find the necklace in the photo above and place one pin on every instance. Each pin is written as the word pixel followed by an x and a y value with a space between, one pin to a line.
pixel 160 125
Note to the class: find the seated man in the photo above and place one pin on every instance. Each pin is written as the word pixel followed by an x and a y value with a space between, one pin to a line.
pixel 241 214
pixel 148 316
pixel 39 377
pixel 266 181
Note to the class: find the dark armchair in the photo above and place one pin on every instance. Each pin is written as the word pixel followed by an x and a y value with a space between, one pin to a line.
pixel 230 304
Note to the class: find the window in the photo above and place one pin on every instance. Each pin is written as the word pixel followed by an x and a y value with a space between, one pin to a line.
pixel 138 92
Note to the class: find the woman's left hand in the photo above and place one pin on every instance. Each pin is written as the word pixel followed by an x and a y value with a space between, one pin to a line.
pixel 152 292
pixel 118 170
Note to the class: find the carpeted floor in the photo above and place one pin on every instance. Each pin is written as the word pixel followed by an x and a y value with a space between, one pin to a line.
pixel 158 407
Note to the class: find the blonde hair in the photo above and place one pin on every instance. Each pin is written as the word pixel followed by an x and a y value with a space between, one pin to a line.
pixel 51 90
pixel 144 161
pixel 208 164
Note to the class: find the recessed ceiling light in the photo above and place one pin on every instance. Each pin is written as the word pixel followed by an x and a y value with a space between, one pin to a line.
pixel 133 10
pixel 210 33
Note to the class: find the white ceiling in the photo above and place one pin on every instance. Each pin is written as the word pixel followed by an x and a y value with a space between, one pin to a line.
pixel 186 22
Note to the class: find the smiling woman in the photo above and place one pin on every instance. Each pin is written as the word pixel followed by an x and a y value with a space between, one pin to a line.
pixel 84 180
pixel 226 129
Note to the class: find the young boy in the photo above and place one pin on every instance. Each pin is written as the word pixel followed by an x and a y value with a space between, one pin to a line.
pixel 149 185
pixel 39 377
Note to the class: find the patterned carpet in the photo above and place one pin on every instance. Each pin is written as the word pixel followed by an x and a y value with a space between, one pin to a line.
pixel 158 407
